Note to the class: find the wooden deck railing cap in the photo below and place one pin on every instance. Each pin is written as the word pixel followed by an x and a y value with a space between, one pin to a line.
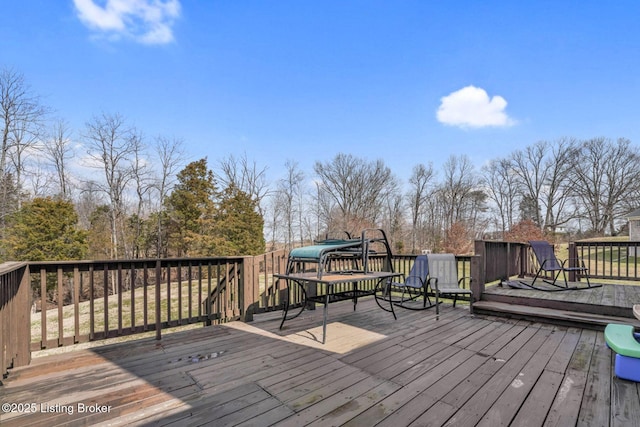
pixel 8 266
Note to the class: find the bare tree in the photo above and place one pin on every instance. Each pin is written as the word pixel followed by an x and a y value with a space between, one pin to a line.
pixel 393 219
pixel 477 208
pixel 26 135
pixel 458 183
pixel 605 174
pixel 528 164
pixel 246 176
pixel 420 183
pixel 170 154
pixel 111 145
pixel 289 195
pixel 59 151
pixel 357 187
pixel 463 203
pixel 502 188
pixel 21 117
pixel 324 210
pixel 89 198
pixel 273 223
pixel 555 193
pixel 41 182
pixel 543 171
pixel 141 175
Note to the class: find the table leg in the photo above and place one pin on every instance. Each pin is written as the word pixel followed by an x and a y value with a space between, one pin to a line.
pixel 355 295
pixel 324 320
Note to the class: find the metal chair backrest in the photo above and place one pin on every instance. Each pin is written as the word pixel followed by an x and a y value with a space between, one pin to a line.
pixel 545 255
pixel 444 267
pixel 419 272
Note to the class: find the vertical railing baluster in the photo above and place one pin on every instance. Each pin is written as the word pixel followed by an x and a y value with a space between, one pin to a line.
pixel 105 298
pixel 92 306
pixel 157 293
pixel 145 298
pixel 190 292
pixel 119 287
pixel 634 270
pixel 132 294
pixel 76 304
pixel 179 292
pixel 60 301
pixel 209 296
pixel 168 292
pixel 43 307
pixel 218 292
pixel 626 273
pixel 199 290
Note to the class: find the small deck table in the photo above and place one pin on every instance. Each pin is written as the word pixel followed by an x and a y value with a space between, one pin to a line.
pixel 331 280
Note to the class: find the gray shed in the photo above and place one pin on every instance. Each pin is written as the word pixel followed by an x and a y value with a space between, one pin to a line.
pixel 634 231
pixel 634 226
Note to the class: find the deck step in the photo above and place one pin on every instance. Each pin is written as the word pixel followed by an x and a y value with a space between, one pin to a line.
pixel 569 318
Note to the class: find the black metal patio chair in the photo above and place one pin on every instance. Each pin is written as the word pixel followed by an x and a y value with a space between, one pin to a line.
pixel 443 278
pixel 412 287
pixel 549 263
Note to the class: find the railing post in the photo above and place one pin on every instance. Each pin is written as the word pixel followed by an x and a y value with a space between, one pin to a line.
pixel 15 317
pixel 509 260
pixel 248 290
pixel 4 325
pixel 282 268
pixel 158 308
pixel 24 328
pixel 477 276
pixel 573 261
pixel 524 266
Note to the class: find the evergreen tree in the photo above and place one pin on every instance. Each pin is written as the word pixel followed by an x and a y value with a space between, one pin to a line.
pixel 99 238
pixel 45 229
pixel 239 228
pixel 191 207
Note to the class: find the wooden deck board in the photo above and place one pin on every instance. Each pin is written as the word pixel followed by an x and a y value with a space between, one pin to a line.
pixel 566 406
pixel 591 308
pixel 498 377
pixel 459 369
pixel 596 400
pixel 624 412
pixel 508 404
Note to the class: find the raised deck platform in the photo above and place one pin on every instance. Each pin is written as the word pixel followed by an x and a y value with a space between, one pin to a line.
pixel 589 308
pixel 460 369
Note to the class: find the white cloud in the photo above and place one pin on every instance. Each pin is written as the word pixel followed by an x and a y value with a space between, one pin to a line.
pixel 146 21
pixel 472 107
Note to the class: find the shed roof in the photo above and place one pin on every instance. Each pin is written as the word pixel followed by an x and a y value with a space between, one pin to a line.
pixel 634 214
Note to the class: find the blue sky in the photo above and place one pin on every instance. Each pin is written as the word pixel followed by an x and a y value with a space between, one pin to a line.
pixel 408 82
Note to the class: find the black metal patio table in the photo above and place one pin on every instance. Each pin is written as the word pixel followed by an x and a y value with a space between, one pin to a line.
pixel 335 293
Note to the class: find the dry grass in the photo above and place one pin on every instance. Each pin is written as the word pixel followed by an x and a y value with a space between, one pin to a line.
pixel 130 317
pixel 605 261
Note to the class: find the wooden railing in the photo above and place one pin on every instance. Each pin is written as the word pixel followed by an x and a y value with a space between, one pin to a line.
pixel 268 292
pixel 604 260
pixel 496 260
pixel 608 260
pixel 53 304
pixel 91 300
pixel 15 322
pixel 45 305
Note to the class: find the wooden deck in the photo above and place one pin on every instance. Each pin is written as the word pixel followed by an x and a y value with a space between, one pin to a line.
pixel 617 300
pixel 460 369
pixel 592 308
